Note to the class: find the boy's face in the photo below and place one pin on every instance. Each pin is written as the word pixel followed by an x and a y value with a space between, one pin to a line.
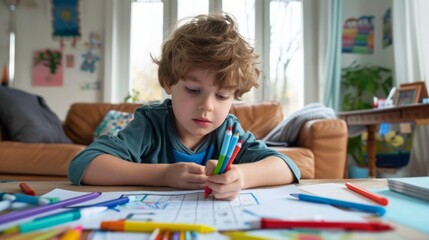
pixel 199 107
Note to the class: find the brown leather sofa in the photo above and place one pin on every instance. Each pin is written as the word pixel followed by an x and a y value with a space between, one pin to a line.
pixel 321 150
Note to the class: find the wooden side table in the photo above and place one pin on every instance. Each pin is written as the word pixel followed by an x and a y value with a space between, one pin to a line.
pixel 371 118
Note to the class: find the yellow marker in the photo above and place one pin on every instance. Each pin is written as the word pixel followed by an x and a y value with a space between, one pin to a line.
pixel 140 226
pixel 39 235
pixel 72 234
pixel 237 235
pixel 14 229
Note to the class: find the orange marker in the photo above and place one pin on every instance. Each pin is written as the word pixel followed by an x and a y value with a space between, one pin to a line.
pixel 374 197
pixel 26 189
pixel 166 235
pixel 72 234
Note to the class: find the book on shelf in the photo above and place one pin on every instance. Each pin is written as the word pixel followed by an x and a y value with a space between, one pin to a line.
pixel 413 186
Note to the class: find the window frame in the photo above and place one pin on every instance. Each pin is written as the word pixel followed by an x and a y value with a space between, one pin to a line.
pixel 117 47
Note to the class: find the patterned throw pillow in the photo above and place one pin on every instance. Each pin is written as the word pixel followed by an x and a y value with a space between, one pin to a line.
pixel 113 122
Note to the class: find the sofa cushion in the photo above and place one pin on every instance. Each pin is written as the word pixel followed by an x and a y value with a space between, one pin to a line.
pixel 27 118
pixel 113 122
pixel 83 118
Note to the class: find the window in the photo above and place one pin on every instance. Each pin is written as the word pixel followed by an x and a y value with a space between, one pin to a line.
pixel 146 40
pixel 198 7
pixel 273 27
pixel 286 82
pixel 244 13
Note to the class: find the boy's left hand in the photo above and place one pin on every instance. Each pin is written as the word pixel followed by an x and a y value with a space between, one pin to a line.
pixel 224 186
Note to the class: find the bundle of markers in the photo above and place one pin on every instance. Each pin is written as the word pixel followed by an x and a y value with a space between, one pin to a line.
pixel 157 234
pixel 230 147
pixel 18 201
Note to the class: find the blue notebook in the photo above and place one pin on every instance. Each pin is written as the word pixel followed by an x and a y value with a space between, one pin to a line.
pixel 406 210
pixel 412 186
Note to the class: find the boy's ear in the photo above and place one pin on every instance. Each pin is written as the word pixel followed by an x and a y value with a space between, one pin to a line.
pixel 167 89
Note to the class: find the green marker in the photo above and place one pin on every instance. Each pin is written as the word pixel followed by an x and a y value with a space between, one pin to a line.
pixel 223 150
pixel 58 218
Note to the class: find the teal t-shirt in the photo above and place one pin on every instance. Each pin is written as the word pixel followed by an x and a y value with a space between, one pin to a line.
pixel 152 138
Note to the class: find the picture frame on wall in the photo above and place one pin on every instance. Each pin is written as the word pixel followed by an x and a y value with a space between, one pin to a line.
pixel 411 93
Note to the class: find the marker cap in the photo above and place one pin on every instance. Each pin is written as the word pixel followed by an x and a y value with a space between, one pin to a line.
pixel 113 225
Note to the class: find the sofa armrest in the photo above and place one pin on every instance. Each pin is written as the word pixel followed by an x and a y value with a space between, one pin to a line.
pixel 36 158
pixel 302 157
pixel 327 139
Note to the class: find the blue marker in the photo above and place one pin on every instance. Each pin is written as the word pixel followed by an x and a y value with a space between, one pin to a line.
pixel 5 204
pixel 115 202
pixel 18 197
pixel 223 150
pixel 231 148
pixel 339 203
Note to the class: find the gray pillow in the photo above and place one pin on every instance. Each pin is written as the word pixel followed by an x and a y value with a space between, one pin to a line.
pixel 25 117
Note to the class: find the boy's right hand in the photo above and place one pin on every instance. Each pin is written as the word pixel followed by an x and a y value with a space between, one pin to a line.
pixel 185 175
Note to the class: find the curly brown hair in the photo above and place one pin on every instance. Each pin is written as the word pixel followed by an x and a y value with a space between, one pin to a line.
pixel 210 42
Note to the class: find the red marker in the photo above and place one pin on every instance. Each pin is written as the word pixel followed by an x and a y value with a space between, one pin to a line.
pixel 374 197
pixel 267 223
pixel 234 154
pixel 26 189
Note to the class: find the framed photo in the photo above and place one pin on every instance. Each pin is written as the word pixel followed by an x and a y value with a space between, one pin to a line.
pixel 409 93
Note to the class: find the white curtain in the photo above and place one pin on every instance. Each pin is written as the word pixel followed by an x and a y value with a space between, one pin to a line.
pixel 411 49
pixel 322 51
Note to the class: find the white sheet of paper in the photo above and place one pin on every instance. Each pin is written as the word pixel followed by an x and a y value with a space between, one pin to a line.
pixel 292 209
pixel 174 206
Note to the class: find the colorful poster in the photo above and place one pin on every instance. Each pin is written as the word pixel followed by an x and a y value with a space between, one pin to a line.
pixel 358 35
pixel 47 68
pixel 387 28
pixel 65 14
pixel 92 54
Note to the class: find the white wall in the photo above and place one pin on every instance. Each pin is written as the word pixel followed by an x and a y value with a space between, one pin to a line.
pixel 34 32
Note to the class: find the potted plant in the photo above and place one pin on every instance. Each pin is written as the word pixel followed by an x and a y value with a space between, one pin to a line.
pixel 360 84
pixel 132 97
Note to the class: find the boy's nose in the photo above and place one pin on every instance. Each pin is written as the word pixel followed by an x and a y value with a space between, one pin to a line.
pixel 206 104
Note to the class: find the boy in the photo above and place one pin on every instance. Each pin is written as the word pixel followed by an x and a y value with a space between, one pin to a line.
pixel 204 66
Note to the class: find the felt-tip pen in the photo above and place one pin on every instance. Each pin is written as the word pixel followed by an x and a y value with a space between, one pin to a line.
pixel 339 203
pixel 140 226
pixel 268 223
pixel 114 202
pixel 231 147
pixel 222 155
pixel 223 151
pixel 58 218
pixel 18 197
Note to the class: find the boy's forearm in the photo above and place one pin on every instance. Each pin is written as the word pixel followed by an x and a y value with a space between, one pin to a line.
pixel 109 170
pixel 268 172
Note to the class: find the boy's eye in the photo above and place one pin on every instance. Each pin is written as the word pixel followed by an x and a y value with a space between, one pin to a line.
pixel 222 96
pixel 192 91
